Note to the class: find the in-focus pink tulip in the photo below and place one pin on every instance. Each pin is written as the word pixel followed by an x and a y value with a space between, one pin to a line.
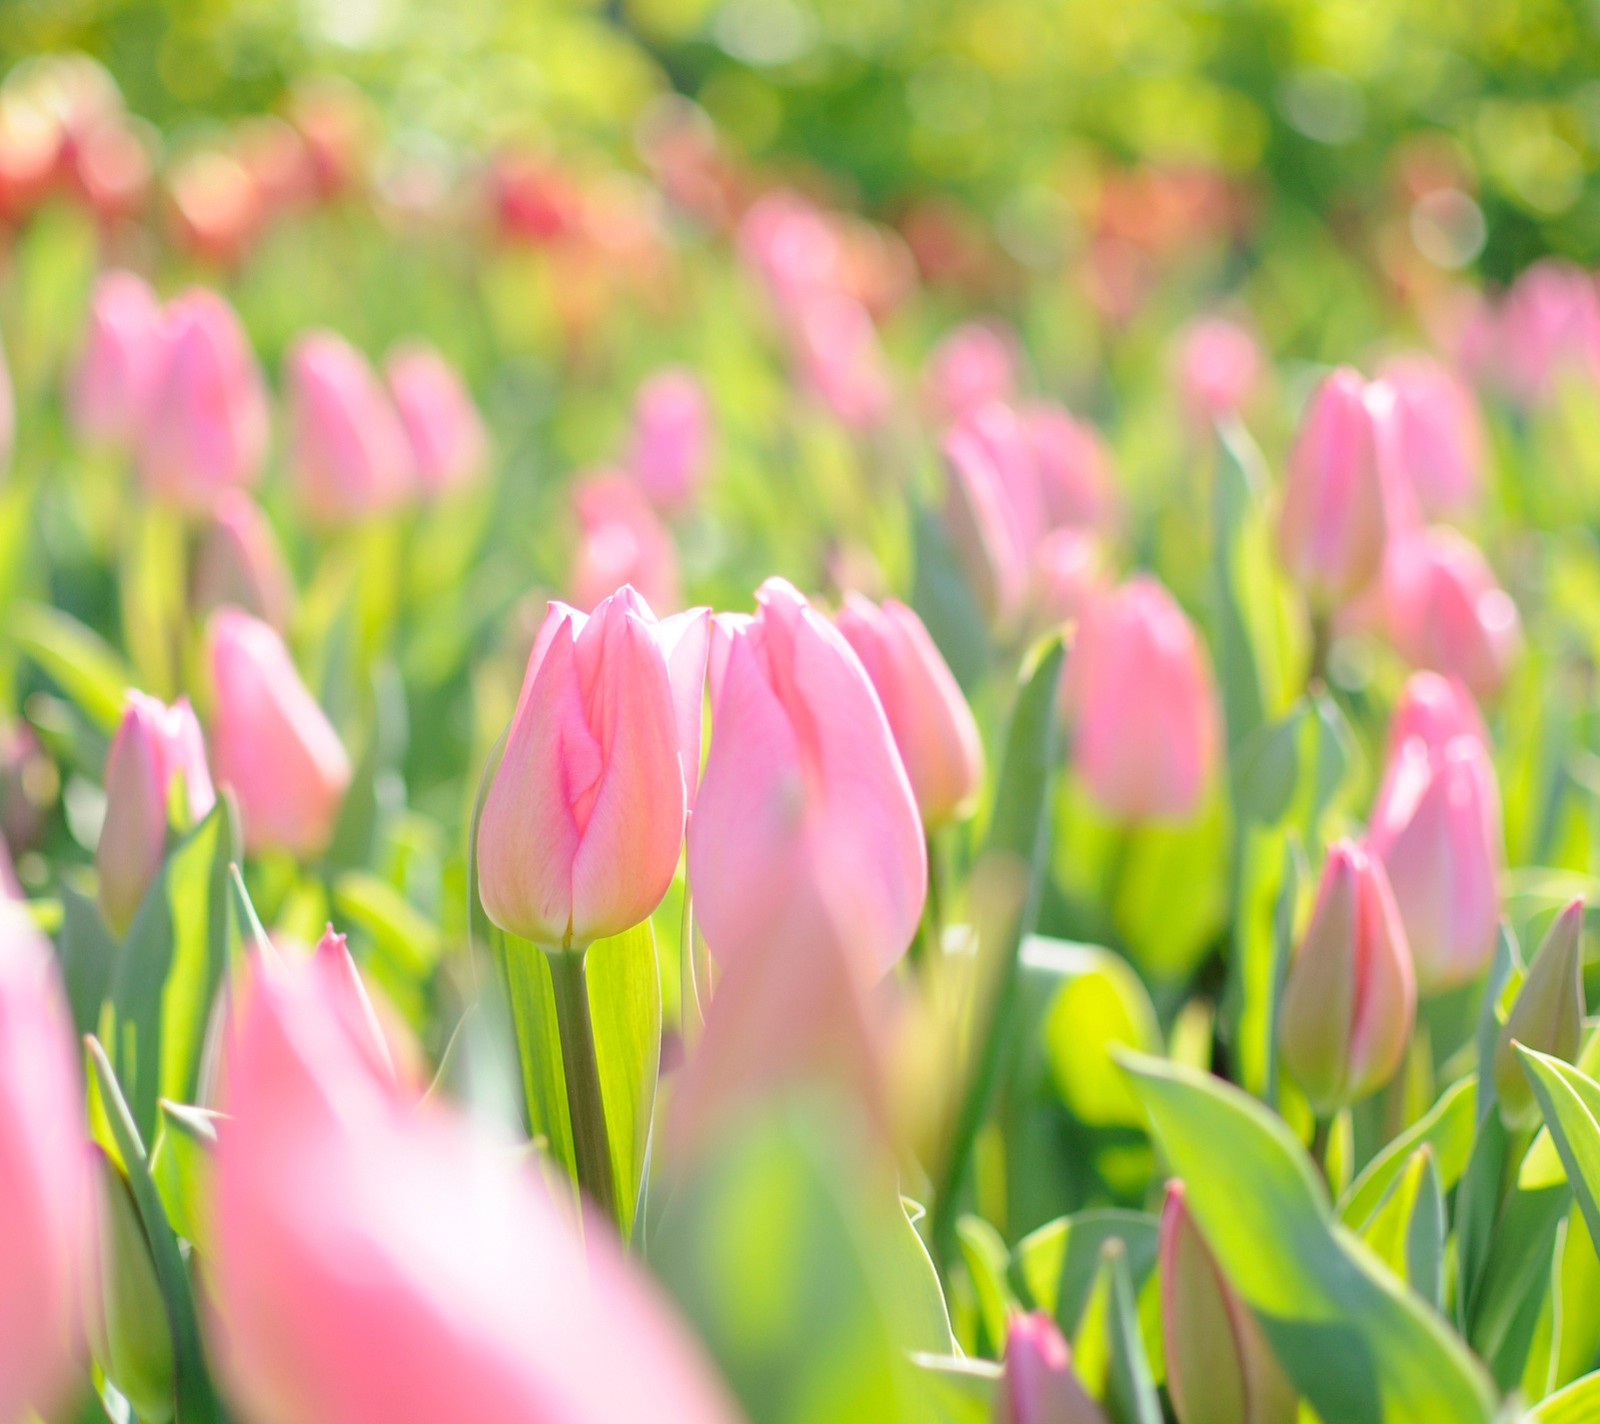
pixel 240 562
pixel 1075 477
pixel 1350 998
pixel 46 1189
pixel 972 365
pixel 1436 828
pixel 1069 569
pixel 806 824
pixel 379 1262
pixel 1549 326
pixel 583 822
pixel 1434 710
pixel 1039 1385
pixel 448 443
pixel 1445 610
pixel 349 456
pixel 120 362
pixel 671 442
pixel 155 746
pixel 977 513
pixel 1337 504
pixel 1142 706
pixel 1219 369
pixel 623 541
pixel 1438 434
pixel 206 428
pixel 270 741
pixel 933 727
pixel 841 361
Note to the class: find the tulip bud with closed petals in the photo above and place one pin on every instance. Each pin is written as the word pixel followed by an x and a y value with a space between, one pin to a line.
pixel 334 971
pixel 239 561
pixel 933 727
pixel 1547 1015
pixel 1436 828
pixel 671 436
pixel 1039 1385
pixel 270 741
pixel 1445 610
pixel 349 456
pixel 155 746
pixel 1549 327
pixel 623 541
pixel 841 361
pixel 1350 998
pixel 987 544
pixel 806 814
pixel 583 822
pixel 972 365
pixel 1068 573
pixel 1438 434
pixel 1220 1369
pixel 206 427
pixel 120 361
pixel 1219 369
pixel 1142 706
pixel 448 444
pixel 47 1186
pixel 1336 505
pixel 1435 710
pixel 1073 469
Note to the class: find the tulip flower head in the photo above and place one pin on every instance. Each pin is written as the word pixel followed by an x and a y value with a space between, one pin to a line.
pixel 120 360
pixel 1073 469
pixel 1547 1015
pixel 1219 368
pixel 1039 1385
pixel 671 437
pixel 1438 434
pixel 448 444
pixel 1434 710
pixel 622 541
pixel 972 365
pixel 240 562
pixel 841 360
pixel 1548 327
pixel 988 545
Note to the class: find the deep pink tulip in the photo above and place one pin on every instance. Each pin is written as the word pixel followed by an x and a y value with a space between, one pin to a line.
pixel 1143 709
pixel 1548 327
pixel 841 361
pixel 623 541
pixel 933 727
pixel 1039 1385
pixel 806 824
pixel 1073 469
pixel 46 1190
pixel 972 365
pixel 270 741
pixel 583 822
pixel 1219 369
pixel 206 428
pixel 1446 611
pixel 1434 710
pixel 448 444
pixel 239 561
pixel 154 747
pixel 120 361
pixel 982 528
pixel 671 440
pixel 1338 507
pixel 349 456
pixel 374 1260
pixel 1350 998
pixel 1439 435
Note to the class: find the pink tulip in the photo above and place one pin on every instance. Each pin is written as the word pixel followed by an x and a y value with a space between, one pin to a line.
pixel 240 562
pixel 46 1189
pixel 841 360
pixel 974 364
pixel 1439 436
pixel 1336 505
pixel 270 741
pixel 448 444
pixel 1073 469
pixel 155 746
pixel 339 985
pixel 623 542
pixel 1436 828
pixel 206 427
pixel 671 436
pixel 1434 710
pixel 793 248
pixel 988 545
pixel 1039 1385
pixel 1219 370
pixel 374 1260
pixel 1143 709
pixel 120 362
pixel 349 456
pixel 933 727
pixel 1446 612
pixel 1068 572
pixel 584 818
pixel 1350 998
pixel 1008 441
pixel 806 824
pixel 1549 326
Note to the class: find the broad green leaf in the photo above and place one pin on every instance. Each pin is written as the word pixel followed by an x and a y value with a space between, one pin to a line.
pixel 1578 1403
pixel 153 596
pixel 1239 484
pixel 88 953
pixel 1101 1004
pixel 1056 1265
pixel 404 934
pixel 1570 1101
pixel 80 662
pixel 1446 1128
pixel 984 1251
pixel 1107 1349
pixel 1542 1166
pixel 1355 1344
pixel 530 995
pixel 943 601
pixel 964 1389
pixel 1407 1230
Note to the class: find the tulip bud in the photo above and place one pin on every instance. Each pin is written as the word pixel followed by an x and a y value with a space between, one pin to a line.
pixel 1547 1015
pixel 334 971
pixel 583 822
pixel 270 741
pixel 1220 1369
pixel 933 727
pixel 1073 469
pixel 1336 518
pixel 217 209
pixel 671 436
pixel 1436 828
pixel 1219 368
pixel 1438 434
pixel 448 444
pixel 792 247
pixel 623 542
pixel 1039 1385
pixel 1068 573
pixel 841 360
pixel 154 747
pixel 1142 706
pixel 1446 612
pixel 806 824
pixel 1549 326
pixel 1350 998
pixel 206 427
pixel 120 362
pixel 977 514
pixel 1434 710
pixel 1008 440
pixel 127 1316
pixel 972 365
pixel 240 562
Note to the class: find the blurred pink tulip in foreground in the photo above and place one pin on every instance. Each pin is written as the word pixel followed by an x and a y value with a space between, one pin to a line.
pixel 972 365
pixel 120 360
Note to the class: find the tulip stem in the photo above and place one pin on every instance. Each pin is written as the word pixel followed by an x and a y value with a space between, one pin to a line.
pixel 585 1103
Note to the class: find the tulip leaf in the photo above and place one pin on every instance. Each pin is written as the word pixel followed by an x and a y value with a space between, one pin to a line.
pixel 78 660
pixel 178 1166
pixel 1108 1352
pixel 1570 1101
pixel 944 602
pixel 1056 1264
pixel 88 952
pixel 984 1251
pixel 530 994
pixel 1407 1230
pixel 1100 1003
pixel 963 1389
pixel 1239 482
pixel 1447 1130
pixel 1578 1403
pixel 1357 1346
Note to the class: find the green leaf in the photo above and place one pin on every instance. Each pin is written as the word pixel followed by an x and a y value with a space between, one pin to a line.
pixel 88 953
pixel 984 1251
pixel 943 601
pixel 1447 1130
pixel 530 995
pixel 1107 1350
pixel 1578 1403
pixel 81 662
pixel 178 1166
pixel 964 1389
pixel 1407 1230
pixel 405 935
pixel 1570 1101
pixel 1056 1264
pixel 1240 484
pixel 1101 1004
pixel 1353 1342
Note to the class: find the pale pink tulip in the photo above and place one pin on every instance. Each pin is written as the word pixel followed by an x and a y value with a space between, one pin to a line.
pixel 972 365
pixel 841 360
pixel 806 824
pixel 1548 327
pixel 448 444
pixel 671 436
pixel 1069 569
pixel 120 361
pixel 343 991
pixel 623 541
pixel 933 727
pixel 583 822
pixel 1439 435
pixel 1073 467
pixel 1008 440
pixel 1142 706
pixel 239 561
pixel 1445 610
pixel 793 247
pixel 986 541
pixel 1039 1385
pixel 1219 369
pixel 1435 710
pixel 270 741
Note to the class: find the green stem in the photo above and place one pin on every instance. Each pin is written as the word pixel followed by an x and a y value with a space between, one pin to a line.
pixel 569 976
